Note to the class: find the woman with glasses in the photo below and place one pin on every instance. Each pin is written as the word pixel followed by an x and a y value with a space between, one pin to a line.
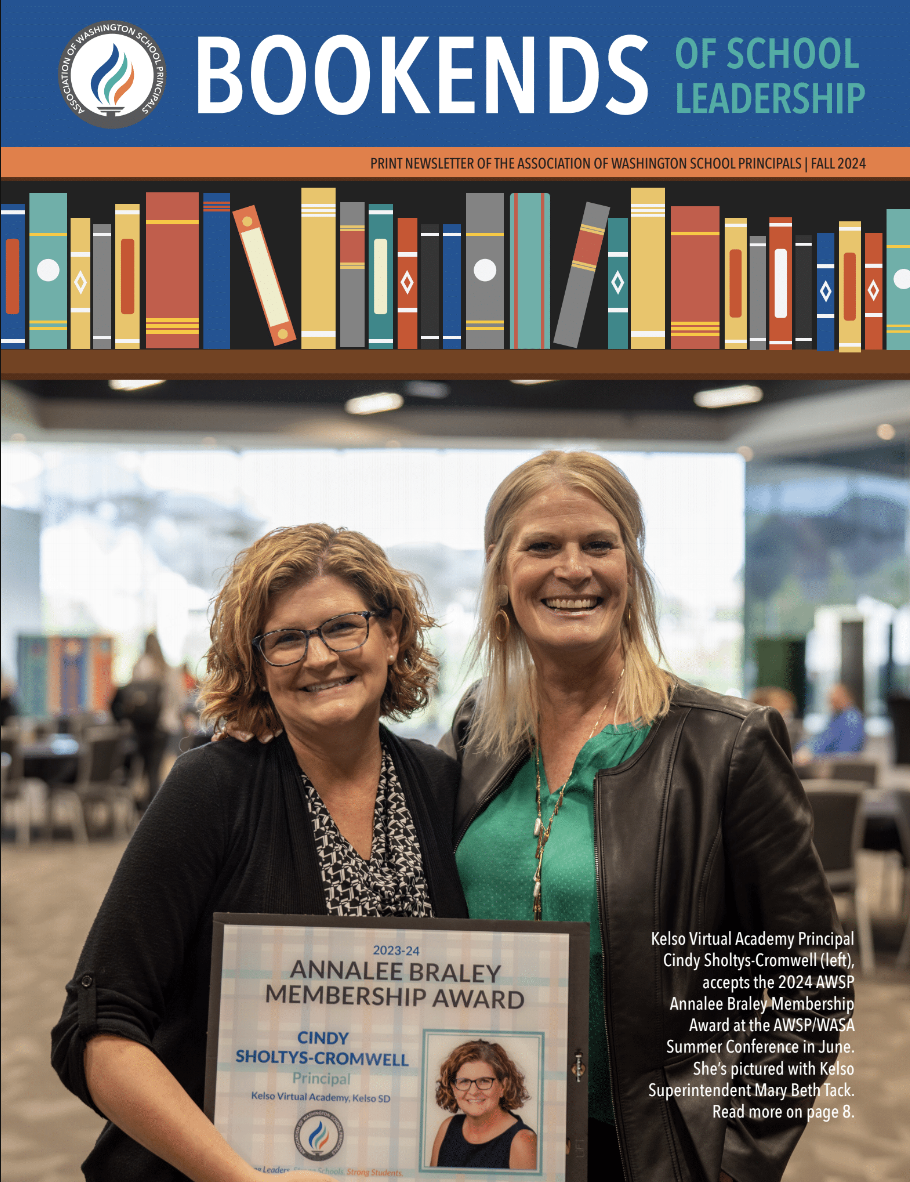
pixel 482 1086
pixel 315 637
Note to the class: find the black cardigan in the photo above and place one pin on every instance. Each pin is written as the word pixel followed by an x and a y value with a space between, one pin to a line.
pixel 229 831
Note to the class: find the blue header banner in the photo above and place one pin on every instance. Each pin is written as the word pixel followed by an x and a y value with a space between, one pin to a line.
pixel 483 74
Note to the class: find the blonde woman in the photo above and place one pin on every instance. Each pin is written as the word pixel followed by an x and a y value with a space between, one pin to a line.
pixel 315 637
pixel 597 787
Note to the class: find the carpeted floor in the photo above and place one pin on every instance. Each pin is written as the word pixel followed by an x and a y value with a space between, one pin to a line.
pixel 51 892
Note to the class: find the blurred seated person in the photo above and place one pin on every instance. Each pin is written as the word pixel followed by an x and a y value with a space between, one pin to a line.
pixel 845 733
pixel 784 703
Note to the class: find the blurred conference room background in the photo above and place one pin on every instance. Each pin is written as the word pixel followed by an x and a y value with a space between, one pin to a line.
pixel 777 531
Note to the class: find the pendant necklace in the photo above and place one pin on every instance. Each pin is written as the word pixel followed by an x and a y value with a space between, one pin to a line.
pixel 541 834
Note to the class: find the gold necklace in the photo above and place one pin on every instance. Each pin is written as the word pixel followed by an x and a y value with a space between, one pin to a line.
pixel 542 834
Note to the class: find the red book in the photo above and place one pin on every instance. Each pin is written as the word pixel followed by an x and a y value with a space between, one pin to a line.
pixel 872 293
pixel 695 277
pixel 407 283
pixel 172 270
pixel 780 283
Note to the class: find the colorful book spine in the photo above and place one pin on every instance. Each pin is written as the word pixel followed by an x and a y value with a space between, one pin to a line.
pixel 648 281
pixel 74 675
pixel 581 275
pixel 736 272
pixel 126 276
pixel 897 278
pixel 695 277
pixel 101 674
pixel 172 270
pixel 451 286
pixel 407 288
pixel 216 270
pixel 758 291
pixel 849 275
pixel 318 268
pixel 803 292
pixel 12 218
pixel 824 293
pixel 780 283
pixel 618 286
pixel 352 275
pixel 430 280
pixel 48 283
pixel 872 291
pixel 102 286
pixel 485 279
pixel 529 234
pixel 31 674
pixel 264 275
pixel 53 701
pixel 381 223
pixel 80 283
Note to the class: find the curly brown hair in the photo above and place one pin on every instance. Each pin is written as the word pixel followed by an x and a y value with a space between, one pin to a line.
pixel 514 1092
pixel 232 695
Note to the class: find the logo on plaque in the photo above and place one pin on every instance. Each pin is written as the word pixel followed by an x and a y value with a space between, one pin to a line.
pixel 112 74
pixel 319 1135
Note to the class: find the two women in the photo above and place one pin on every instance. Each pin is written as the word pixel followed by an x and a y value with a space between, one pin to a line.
pixel 314 638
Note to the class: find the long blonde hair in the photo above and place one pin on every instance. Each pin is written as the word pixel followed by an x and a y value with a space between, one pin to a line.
pixel 507 707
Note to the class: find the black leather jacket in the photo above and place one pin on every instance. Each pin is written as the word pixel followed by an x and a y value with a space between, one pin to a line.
pixel 706 830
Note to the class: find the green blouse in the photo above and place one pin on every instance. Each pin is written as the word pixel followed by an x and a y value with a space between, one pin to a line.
pixel 497 862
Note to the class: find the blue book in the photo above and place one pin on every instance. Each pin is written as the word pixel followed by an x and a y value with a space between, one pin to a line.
pixel 13 280
pixel 618 293
pixel 451 286
pixel 380 229
pixel 216 270
pixel 825 292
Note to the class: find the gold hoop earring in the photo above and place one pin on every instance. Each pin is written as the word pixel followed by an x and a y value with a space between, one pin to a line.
pixel 501 615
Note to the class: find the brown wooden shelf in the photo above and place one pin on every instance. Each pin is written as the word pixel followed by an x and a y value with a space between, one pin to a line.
pixel 450 364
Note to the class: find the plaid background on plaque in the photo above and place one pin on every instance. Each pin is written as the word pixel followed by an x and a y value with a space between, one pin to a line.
pixel 379 1116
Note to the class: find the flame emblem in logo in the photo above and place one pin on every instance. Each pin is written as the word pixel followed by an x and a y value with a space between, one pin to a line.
pixel 106 77
pixel 319 1138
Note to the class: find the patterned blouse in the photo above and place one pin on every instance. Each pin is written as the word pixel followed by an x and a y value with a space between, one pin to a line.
pixel 392 882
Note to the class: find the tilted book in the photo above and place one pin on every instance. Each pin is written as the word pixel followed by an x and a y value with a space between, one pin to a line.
pixel 648 270
pixel 581 274
pixel 264 275
pixel 47 271
pixel 172 270
pixel 694 277
pixel 485 280
pixel 736 271
pixel 529 270
pixel 216 270
pixel 318 266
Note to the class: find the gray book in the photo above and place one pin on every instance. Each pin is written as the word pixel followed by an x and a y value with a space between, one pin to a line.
pixel 352 282
pixel 102 287
pixel 758 292
pixel 485 284
pixel 581 274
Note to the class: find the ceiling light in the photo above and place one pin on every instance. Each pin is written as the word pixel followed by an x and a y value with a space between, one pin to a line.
pixel 373 404
pixel 427 389
pixel 728 396
pixel 135 383
pixel 885 431
pixel 531 381
pixel 746 452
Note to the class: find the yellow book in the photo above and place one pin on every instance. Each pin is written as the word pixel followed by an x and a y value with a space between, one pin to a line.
pixel 126 277
pixel 80 283
pixel 736 265
pixel 849 280
pixel 647 282
pixel 318 268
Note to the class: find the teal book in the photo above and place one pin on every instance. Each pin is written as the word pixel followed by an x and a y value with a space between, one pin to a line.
pixel 618 291
pixel 381 264
pixel 48 285
pixel 529 271
pixel 33 659
pixel 897 279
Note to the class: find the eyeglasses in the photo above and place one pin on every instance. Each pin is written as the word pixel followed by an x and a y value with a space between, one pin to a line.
pixel 465 1085
pixel 341 634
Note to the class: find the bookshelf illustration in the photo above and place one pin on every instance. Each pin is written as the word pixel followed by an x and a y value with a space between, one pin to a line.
pixel 525 271
pixel 60 675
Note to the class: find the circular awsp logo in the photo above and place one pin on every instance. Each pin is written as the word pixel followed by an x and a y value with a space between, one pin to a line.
pixel 319 1135
pixel 112 74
